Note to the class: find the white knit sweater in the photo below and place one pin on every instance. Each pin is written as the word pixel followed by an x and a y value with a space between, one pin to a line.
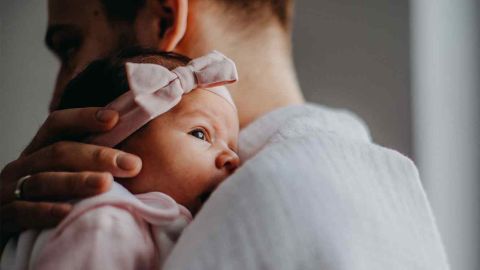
pixel 314 192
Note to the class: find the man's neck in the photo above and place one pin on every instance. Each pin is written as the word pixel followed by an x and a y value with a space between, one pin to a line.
pixel 267 78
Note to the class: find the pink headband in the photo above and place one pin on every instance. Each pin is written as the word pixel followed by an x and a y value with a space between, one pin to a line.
pixel 155 90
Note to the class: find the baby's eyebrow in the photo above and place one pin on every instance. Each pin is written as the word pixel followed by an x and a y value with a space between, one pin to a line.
pixel 196 112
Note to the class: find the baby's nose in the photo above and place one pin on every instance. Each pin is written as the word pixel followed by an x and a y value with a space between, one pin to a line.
pixel 227 160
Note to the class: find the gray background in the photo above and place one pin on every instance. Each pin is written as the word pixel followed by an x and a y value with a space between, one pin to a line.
pixel 355 55
pixel 27 72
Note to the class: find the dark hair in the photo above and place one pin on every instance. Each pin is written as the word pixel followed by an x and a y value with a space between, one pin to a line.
pixel 127 10
pixel 104 80
pixel 122 10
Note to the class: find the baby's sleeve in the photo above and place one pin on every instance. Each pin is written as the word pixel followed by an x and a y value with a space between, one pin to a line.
pixel 103 238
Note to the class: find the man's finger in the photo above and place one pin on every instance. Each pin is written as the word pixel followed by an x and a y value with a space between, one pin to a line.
pixel 74 157
pixel 68 157
pixel 20 215
pixel 72 122
pixel 54 186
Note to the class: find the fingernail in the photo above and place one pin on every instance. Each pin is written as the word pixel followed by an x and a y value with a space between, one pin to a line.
pixel 104 115
pixel 127 162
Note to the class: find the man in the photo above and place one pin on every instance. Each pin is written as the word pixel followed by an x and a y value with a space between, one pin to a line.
pixel 314 191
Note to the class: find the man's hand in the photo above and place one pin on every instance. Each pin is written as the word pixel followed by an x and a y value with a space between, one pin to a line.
pixel 61 170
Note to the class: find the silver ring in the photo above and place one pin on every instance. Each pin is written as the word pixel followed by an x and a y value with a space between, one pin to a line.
pixel 19 187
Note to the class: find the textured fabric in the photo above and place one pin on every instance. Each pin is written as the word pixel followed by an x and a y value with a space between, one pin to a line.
pixel 115 230
pixel 155 90
pixel 315 193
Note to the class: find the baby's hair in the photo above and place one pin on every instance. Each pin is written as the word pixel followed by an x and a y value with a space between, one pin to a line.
pixel 104 80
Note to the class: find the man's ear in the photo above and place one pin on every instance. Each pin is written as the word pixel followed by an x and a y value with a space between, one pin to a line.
pixel 172 22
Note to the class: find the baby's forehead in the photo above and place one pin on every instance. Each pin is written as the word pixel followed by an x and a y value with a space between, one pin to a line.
pixel 207 105
pixel 198 103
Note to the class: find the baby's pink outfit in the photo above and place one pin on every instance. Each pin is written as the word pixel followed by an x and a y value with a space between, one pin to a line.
pixel 115 230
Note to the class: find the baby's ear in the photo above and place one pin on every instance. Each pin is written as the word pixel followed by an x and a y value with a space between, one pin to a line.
pixel 171 22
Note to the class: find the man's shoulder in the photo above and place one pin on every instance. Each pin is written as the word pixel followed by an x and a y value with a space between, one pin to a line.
pixel 323 151
pixel 307 120
pixel 334 146
pixel 346 185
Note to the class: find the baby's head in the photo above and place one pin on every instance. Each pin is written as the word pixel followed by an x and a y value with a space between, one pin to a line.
pixel 186 151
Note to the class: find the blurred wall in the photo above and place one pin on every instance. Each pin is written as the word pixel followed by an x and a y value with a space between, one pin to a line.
pixel 355 55
pixel 446 94
pixel 27 73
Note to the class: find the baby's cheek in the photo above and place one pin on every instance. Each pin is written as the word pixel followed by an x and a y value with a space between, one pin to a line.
pixel 197 172
pixel 197 176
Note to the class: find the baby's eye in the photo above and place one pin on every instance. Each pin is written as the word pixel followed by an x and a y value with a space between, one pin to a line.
pixel 199 134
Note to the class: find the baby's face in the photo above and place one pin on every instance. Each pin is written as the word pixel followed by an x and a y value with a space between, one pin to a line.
pixel 187 151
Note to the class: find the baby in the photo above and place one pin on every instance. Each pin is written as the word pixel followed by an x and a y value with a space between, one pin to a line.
pixel 174 114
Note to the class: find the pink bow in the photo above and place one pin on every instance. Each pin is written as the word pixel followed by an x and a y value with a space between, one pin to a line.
pixel 155 90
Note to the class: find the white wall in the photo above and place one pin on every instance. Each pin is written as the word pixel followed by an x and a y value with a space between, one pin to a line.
pixel 446 94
